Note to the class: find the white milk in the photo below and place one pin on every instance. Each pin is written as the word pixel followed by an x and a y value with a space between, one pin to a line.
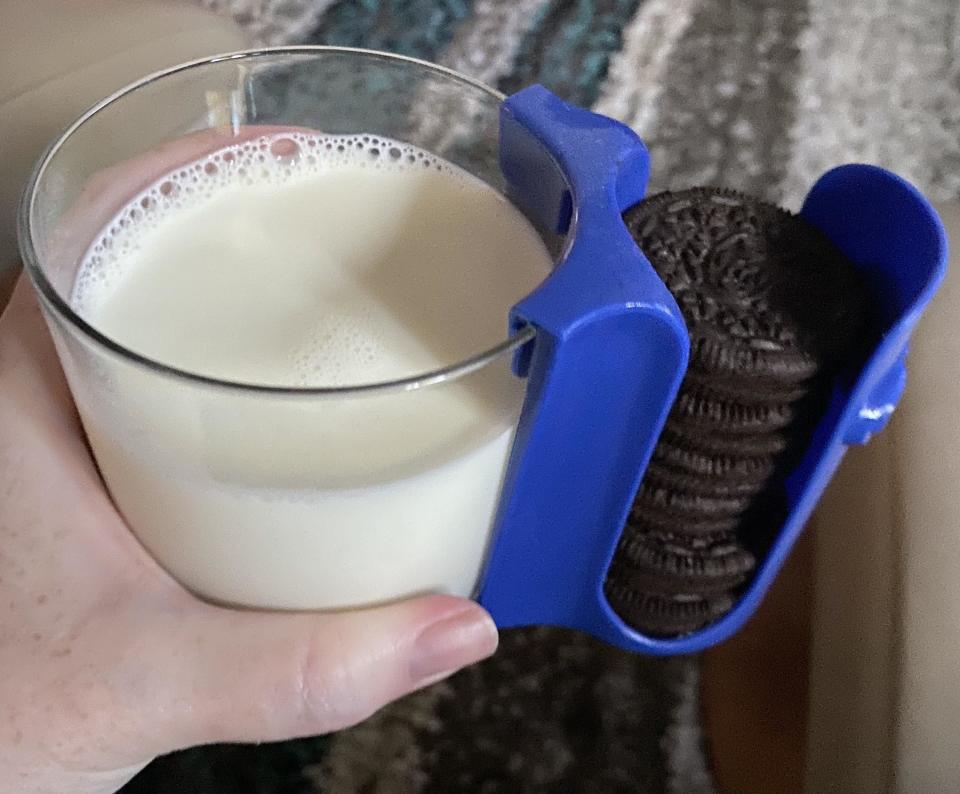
pixel 303 260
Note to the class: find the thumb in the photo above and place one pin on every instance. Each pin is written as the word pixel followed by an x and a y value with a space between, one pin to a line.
pixel 250 677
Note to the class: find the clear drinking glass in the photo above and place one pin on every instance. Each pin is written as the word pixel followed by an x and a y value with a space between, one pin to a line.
pixel 232 487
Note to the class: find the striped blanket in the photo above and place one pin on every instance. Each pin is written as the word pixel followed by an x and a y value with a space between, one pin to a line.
pixel 761 95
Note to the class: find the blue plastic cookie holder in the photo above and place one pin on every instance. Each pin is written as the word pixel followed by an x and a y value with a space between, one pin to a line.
pixel 611 349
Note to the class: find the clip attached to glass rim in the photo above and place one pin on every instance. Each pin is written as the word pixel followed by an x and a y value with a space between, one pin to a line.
pixel 604 314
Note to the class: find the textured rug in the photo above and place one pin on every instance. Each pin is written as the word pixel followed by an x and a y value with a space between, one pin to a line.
pixel 761 95
pixel 551 712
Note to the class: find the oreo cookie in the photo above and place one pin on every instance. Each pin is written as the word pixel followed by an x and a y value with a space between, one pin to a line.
pixel 723 468
pixel 718 443
pixel 665 615
pixel 653 582
pixel 660 476
pixel 762 292
pixel 647 518
pixel 688 505
pixel 771 309
pixel 714 355
pixel 746 392
pixel 694 409
pixel 658 562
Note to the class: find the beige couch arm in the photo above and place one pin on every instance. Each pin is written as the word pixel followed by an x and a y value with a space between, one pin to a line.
pixel 885 668
pixel 58 57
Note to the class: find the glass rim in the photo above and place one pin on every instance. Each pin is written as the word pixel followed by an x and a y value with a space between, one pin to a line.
pixel 55 303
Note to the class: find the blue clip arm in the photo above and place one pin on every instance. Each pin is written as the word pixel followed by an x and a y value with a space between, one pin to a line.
pixel 890 231
pixel 886 227
pixel 611 350
pixel 604 368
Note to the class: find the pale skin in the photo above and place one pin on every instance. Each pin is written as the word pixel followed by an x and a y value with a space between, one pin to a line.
pixel 107 662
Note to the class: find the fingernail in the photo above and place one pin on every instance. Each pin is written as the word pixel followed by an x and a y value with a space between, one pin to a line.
pixel 454 642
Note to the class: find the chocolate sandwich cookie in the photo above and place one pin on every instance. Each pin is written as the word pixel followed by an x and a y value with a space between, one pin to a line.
pixel 712 354
pixel 771 308
pixel 655 583
pixel 659 562
pixel 663 615
pixel 647 518
pixel 660 476
pixel 695 410
pixel 725 468
pixel 747 392
pixel 683 505
pixel 717 443
pixel 762 291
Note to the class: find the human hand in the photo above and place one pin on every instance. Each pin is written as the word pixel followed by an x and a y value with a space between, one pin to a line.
pixel 106 662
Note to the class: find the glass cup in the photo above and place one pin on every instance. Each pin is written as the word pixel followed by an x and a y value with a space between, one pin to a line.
pixel 274 497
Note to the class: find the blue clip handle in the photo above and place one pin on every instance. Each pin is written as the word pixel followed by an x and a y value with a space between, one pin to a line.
pixel 604 368
pixel 611 349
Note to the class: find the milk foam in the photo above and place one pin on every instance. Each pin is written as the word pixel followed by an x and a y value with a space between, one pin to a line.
pixel 270 160
pixel 369 195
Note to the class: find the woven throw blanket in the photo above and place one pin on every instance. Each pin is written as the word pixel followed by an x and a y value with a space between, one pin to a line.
pixel 760 95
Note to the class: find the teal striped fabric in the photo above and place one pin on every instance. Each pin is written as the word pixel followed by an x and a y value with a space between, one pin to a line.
pixel 568 48
pixel 419 28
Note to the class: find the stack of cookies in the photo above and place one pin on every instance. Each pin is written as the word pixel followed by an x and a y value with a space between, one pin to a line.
pixel 773 311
